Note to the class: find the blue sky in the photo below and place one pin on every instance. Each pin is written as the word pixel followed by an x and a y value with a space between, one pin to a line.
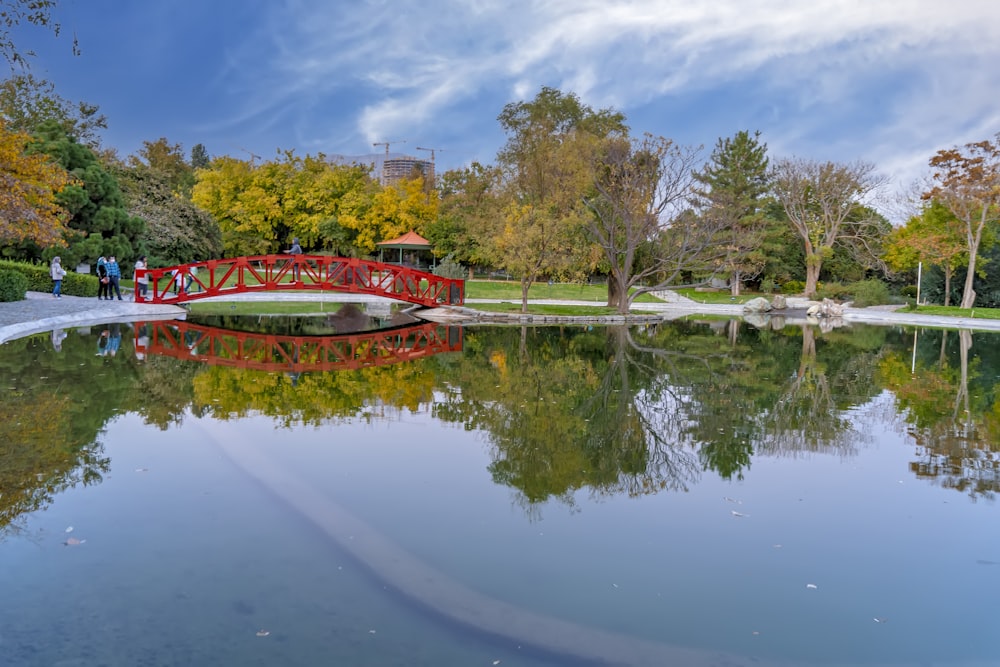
pixel 888 81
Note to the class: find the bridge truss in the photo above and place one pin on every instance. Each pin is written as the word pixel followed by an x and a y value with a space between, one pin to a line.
pixel 272 273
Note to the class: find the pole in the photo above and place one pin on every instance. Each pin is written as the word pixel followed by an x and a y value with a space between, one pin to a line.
pixel 920 266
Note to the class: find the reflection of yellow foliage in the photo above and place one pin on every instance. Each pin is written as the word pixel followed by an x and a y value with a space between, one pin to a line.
pixel 499 361
pixel 312 398
pixel 32 448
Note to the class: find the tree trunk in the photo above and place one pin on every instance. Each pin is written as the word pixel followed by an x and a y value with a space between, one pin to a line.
pixel 947 286
pixel 612 290
pixel 812 276
pixel 617 295
pixel 969 294
pixel 525 286
pixel 734 283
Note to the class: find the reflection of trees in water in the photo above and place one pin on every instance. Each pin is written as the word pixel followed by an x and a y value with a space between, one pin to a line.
pixel 810 414
pixel 54 408
pixel 637 411
pixel 948 405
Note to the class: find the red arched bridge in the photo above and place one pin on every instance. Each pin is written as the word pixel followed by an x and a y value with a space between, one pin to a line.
pixel 296 273
pixel 294 354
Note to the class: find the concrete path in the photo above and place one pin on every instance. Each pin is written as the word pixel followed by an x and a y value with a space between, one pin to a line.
pixel 42 312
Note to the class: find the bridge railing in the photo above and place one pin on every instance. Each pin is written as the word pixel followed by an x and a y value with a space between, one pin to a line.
pixel 268 273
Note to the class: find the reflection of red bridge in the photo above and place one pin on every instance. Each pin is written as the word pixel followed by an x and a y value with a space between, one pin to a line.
pixel 267 352
pixel 271 273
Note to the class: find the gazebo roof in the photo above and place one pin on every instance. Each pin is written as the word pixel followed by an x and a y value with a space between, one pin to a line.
pixel 408 241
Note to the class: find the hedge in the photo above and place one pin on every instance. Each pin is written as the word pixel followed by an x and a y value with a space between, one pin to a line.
pixel 39 280
pixel 13 285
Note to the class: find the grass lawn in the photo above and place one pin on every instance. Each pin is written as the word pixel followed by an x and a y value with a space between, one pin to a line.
pixel 952 311
pixel 510 290
pixel 551 309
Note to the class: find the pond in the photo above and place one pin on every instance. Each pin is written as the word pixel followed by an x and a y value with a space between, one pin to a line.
pixel 237 491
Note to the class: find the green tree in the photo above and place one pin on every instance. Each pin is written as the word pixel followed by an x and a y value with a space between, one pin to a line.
pixel 935 237
pixel 99 224
pixel 27 102
pixel 546 169
pixel 638 183
pixel 168 159
pixel 199 156
pixel 967 181
pixel 177 231
pixel 821 201
pixel 468 215
pixel 730 188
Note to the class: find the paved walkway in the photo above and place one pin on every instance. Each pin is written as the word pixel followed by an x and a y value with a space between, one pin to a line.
pixel 42 312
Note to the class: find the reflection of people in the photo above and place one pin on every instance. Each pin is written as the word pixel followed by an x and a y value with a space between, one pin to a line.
pixel 114 275
pixel 58 273
pixel 296 249
pixel 141 342
pixel 58 336
pixel 114 339
pixel 103 288
pixel 102 343
pixel 141 280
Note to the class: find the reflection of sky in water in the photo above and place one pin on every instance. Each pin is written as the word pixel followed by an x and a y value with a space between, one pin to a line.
pixel 186 556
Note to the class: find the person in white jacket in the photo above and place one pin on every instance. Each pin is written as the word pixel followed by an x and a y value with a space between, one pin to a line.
pixel 58 273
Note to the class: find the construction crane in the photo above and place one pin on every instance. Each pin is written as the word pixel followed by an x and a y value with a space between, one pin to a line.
pixel 386 144
pixel 432 151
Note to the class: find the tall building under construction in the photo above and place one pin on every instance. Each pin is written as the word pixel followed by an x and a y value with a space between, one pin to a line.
pixel 397 168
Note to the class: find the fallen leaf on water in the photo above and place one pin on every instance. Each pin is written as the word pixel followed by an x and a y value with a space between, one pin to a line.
pixel 263 633
pixel 732 500
pixel 879 619
pixel 738 515
pixel 70 529
pixel 142 469
pixel 496 662
pixel 73 542
pixel 811 586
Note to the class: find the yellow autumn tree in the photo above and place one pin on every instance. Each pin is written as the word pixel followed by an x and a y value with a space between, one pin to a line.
pixel 260 207
pixel 394 210
pixel 29 210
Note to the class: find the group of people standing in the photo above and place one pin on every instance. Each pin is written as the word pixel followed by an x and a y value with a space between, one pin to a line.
pixel 108 274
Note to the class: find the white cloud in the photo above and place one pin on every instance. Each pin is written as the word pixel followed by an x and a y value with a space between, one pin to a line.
pixel 888 80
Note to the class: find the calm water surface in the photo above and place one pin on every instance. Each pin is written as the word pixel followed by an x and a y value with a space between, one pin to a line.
pixel 691 493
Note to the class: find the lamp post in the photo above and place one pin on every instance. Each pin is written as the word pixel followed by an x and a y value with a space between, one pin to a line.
pixel 920 266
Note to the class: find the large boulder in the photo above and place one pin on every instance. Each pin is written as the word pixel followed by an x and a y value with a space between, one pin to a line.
pixel 779 302
pixel 758 305
pixel 827 308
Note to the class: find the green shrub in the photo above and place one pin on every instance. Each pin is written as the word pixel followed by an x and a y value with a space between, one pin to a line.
pixel 13 285
pixel 767 284
pixel 835 291
pixel 39 279
pixel 449 268
pixel 909 291
pixel 870 293
pixel 793 287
